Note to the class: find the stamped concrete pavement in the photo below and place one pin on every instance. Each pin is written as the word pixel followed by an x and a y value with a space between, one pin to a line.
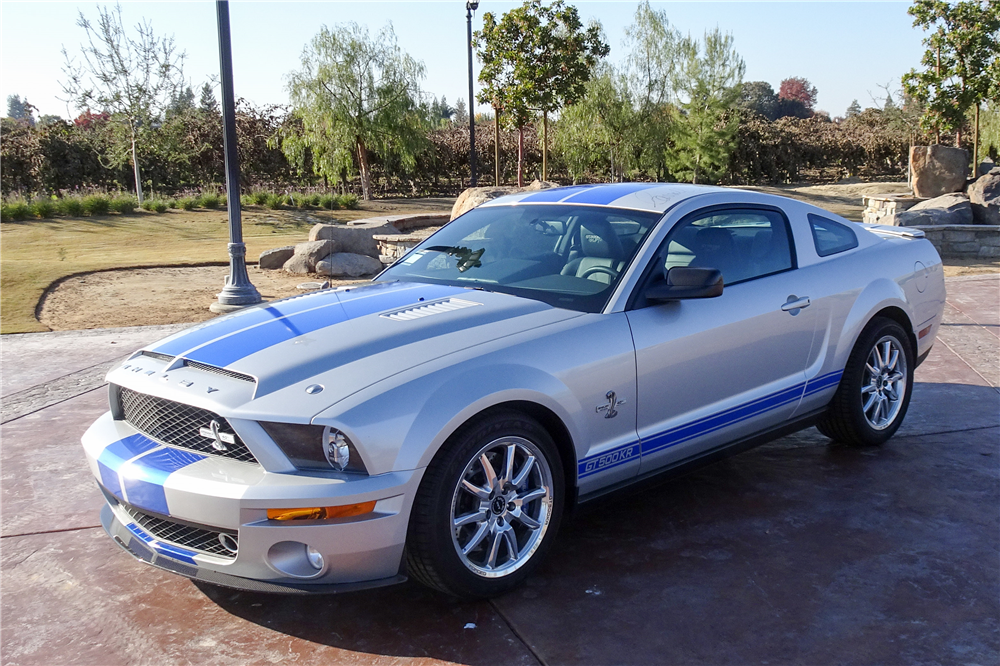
pixel 796 552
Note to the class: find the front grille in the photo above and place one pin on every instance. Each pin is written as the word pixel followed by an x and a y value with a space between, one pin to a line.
pixel 202 539
pixel 178 424
pixel 220 371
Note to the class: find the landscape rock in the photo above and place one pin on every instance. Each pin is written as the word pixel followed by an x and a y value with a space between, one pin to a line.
pixel 313 251
pixel 938 170
pixel 985 167
pixel 946 209
pixel 984 195
pixel 298 265
pixel 476 196
pixel 276 258
pixel 354 239
pixel 347 264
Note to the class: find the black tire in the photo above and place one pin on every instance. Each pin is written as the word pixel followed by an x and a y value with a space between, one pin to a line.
pixel 432 548
pixel 846 420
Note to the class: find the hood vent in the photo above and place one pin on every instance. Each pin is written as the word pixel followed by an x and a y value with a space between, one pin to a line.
pixel 429 308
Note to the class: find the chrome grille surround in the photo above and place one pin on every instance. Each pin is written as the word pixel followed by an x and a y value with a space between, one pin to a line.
pixel 199 538
pixel 177 424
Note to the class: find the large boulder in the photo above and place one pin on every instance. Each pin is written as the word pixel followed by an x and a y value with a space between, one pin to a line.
pixel 313 251
pixel 298 265
pixel 985 167
pixel 938 170
pixel 276 258
pixel 476 196
pixel 984 195
pixel 946 209
pixel 353 239
pixel 346 264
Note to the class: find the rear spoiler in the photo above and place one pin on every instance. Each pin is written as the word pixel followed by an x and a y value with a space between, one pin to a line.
pixel 899 232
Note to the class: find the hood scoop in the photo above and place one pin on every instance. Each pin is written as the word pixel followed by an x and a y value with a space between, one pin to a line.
pixel 428 309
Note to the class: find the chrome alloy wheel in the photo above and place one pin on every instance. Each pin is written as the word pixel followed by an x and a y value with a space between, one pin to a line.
pixel 884 384
pixel 501 507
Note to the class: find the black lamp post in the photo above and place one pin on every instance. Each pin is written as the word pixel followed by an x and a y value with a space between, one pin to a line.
pixel 471 6
pixel 238 291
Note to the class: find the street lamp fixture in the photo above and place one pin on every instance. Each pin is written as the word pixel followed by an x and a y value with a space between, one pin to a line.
pixel 238 291
pixel 470 7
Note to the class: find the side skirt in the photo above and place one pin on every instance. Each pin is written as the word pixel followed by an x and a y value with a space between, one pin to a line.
pixel 658 476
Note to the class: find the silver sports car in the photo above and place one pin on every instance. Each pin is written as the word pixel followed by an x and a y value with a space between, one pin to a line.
pixel 539 351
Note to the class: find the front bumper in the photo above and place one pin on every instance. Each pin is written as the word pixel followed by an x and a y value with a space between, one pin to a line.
pixel 215 495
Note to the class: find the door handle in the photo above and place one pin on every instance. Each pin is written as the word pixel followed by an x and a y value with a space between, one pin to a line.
pixel 794 305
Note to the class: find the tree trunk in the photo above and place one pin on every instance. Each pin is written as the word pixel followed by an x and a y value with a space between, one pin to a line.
pixel 496 146
pixel 366 183
pixel 520 157
pixel 975 145
pixel 135 165
pixel 545 143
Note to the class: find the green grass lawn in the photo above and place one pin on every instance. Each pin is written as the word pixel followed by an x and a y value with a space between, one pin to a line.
pixel 34 254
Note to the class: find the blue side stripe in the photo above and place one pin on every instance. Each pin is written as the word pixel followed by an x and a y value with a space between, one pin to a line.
pixel 688 431
pixel 607 193
pixel 556 194
pixel 824 382
pixel 168 549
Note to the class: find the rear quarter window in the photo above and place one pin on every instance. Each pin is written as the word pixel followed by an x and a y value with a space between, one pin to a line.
pixel 831 237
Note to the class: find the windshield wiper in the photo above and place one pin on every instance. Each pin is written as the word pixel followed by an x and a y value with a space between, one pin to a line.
pixel 466 258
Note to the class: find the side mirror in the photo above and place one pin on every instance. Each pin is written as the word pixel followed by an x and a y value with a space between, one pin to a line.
pixel 683 283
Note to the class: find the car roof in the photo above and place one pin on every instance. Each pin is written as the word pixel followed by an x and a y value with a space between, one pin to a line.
pixel 656 197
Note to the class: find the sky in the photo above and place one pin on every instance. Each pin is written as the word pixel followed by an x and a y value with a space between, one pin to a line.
pixel 846 49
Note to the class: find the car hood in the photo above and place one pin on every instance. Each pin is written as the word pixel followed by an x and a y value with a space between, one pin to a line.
pixel 366 333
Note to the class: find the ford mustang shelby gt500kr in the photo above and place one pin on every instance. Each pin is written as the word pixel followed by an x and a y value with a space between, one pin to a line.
pixel 536 352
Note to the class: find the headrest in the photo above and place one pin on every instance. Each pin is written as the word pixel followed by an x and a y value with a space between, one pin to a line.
pixel 713 239
pixel 598 239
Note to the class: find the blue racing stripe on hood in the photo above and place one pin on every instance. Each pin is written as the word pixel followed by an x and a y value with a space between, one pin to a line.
pixel 216 328
pixel 606 194
pixel 555 194
pixel 360 302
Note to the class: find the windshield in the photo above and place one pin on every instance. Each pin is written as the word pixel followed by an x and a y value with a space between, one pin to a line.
pixel 567 256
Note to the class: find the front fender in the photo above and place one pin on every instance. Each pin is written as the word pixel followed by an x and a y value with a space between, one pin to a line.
pixel 431 407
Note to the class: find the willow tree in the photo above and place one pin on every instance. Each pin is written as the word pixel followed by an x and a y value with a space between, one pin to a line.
pixel 131 76
pixel 355 96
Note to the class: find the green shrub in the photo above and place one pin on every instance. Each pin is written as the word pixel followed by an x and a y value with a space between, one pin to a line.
pixel 349 201
pixel 210 201
pixel 43 208
pixel 172 203
pixel 157 205
pixel 147 204
pixel 96 204
pixel 70 206
pixel 124 203
pixel 260 197
pixel 314 200
pixel 328 201
pixel 188 203
pixel 223 200
pixel 275 201
pixel 247 200
pixel 15 210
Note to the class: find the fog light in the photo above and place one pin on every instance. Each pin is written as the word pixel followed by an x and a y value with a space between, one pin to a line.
pixel 315 558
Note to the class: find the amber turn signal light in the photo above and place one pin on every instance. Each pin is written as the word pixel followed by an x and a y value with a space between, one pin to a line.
pixel 322 512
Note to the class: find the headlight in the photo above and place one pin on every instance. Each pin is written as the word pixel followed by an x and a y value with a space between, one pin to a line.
pixel 315 447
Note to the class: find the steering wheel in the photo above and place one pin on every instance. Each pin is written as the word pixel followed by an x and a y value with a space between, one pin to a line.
pixel 600 269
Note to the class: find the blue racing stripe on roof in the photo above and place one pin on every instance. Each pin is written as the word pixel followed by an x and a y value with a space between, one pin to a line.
pixel 606 194
pixel 555 194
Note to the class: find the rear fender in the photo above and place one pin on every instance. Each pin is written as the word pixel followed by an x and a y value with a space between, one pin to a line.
pixel 878 295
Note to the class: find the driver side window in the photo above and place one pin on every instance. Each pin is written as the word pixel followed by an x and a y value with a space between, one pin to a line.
pixel 742 244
